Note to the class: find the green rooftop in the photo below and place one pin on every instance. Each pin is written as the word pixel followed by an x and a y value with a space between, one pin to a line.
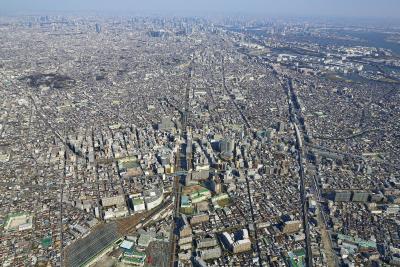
pixel 133 260
pixel 46 242
pixel 137 201
pixel 199 192
pixel 358 241
pixel 135 253
pixel 296 258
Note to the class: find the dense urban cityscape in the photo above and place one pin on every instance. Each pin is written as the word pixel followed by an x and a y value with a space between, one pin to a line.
pixel 177 141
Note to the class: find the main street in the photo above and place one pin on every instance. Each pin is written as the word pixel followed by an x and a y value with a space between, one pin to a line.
pixel 326 238
pixel 299 144
pixel 181 163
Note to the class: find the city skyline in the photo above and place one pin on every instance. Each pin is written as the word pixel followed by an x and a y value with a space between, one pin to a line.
pixel 199 141
pixel 386 9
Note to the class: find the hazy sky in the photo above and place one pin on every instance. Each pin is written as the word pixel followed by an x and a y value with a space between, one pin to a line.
pixel 336 8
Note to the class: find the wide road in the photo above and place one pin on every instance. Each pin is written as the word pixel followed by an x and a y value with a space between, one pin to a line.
pixel 248 126
pixel 180 158
pixel 61 208
pixel 299 141
pixel 325 235
pixel 176 190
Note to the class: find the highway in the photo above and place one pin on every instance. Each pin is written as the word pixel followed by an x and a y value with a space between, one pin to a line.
pixel 180 158
pixel 315 189
pixel 359 134
pixel 176 189
pixel 294 120
pixel 350 155
pixel 62 205
pixel 326 237
pixel 330 150
pixel 304 203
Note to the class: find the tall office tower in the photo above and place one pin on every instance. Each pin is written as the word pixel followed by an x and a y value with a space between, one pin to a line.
pixel 98 28
pixel 226 147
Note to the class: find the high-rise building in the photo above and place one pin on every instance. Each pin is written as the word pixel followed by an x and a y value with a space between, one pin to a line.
pixel 215 185
pixel 227 240
pixel 98 28
pixel 226 147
